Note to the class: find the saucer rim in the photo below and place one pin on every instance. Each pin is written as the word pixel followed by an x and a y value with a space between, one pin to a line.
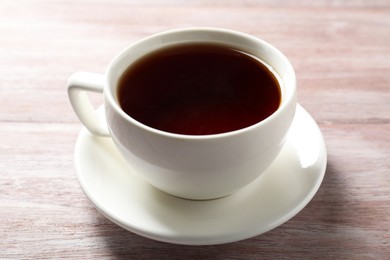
pixel 207 239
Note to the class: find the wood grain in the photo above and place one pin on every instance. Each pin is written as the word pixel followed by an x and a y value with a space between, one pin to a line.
pixel 341 52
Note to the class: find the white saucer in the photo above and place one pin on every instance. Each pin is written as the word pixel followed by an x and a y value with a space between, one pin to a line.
pixel 127 200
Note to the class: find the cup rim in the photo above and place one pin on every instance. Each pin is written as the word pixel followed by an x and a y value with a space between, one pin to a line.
pixel 286 100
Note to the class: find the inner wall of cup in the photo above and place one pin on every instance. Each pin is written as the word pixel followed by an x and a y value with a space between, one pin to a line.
pixel 251 45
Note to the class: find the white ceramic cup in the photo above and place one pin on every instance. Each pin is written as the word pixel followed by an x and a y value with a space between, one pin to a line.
pixel 189 166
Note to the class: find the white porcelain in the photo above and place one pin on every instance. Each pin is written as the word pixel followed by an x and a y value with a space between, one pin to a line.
pixel 194 167
pixel 280 193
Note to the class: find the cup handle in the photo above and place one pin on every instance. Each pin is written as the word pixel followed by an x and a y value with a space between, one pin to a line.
pixel 79 84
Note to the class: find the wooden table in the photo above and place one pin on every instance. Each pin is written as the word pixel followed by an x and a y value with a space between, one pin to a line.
pixel 341 52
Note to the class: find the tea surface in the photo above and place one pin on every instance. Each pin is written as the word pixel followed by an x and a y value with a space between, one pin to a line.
pixel 198 89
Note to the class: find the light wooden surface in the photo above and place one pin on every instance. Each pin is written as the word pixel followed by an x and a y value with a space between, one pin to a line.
pixel 341 52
